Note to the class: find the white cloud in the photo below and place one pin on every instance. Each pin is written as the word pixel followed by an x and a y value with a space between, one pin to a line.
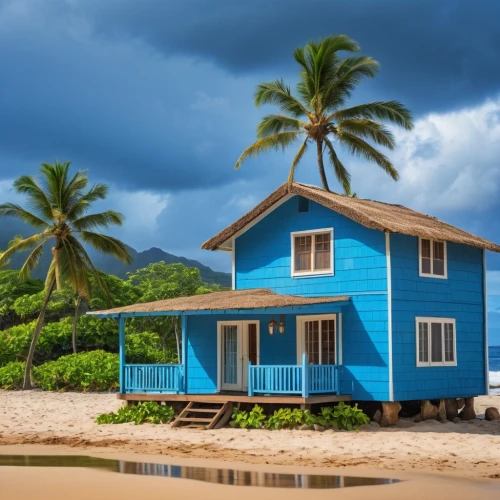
pixel 448 162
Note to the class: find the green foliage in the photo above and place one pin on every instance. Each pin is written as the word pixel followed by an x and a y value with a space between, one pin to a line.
pixel 62 303
pixel 317 114
pixel 12 375
pixel 148 411
pixel 349 417
pixel 253 419
pixel 145 347
pixel 15 342
pixel 94 370
pixel 341 416
pixel 286 418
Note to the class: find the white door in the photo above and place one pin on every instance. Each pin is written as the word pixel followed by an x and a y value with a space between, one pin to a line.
pixel 316 336
pixel 238 344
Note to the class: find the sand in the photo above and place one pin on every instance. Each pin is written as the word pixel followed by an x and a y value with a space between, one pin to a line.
pixel 466 449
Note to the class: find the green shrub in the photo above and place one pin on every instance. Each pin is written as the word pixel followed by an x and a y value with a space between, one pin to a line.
pixel 12 375
pixel 15 342
pixel 145 347
pixel 148 411
pixel 94 370
pixel 349 417
pixel 286 418
pixel 253 419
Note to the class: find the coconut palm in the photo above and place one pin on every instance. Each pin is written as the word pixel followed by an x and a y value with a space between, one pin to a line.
pixel 58 207
pixel 317 115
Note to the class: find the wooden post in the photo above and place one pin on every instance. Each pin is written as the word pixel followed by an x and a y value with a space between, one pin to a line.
pixel 305 375
pixel 184 385
pixel 121 355
pixel 250 380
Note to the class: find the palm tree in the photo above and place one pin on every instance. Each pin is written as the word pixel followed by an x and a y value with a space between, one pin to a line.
pixel 318 115
pixel 58 209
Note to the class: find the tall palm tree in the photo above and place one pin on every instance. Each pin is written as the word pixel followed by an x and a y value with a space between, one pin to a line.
pixel 318 114
pixel 58 207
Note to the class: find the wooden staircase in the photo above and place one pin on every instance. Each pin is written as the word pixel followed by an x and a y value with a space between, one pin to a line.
pixel 204 415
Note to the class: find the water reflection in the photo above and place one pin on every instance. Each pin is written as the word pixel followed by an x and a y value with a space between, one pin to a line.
pixel 219 476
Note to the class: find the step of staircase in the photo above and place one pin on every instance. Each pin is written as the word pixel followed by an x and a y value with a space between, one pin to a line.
pixel 188 417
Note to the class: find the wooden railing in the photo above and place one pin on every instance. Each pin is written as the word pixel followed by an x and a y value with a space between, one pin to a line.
pixel 301 379
pixel 153 378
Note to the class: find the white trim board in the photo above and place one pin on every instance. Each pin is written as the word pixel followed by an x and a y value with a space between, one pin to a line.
pixel 485 306
pixel 445 252
pixel 300 320
pixel 442 321
pixel 321 272
pixel 389 313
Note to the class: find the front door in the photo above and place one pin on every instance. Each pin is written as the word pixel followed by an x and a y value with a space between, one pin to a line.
pixel 238 344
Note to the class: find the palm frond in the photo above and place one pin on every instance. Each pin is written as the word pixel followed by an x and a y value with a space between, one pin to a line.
pixel 279 94
pixel 272 124
pixel 32 261
pixel 37 199
pixel 296 161
pixel 343 176
pixel 361 148
pixel 369 129
pixel 81 205
pixel 392 111
pixel 13 210
pixel 107 244
pixel 100 220
pixel 19 244
pixel 55 178
pixel 73 190
pixel 275 141
pixel 349 73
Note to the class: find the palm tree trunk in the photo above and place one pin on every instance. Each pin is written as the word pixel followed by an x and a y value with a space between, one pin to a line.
pixel 75 321
pixel 319 150
pixel 177 342
pixel 29 361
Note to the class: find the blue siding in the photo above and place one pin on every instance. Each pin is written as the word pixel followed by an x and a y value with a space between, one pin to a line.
pixel 263 260
pixel 460 297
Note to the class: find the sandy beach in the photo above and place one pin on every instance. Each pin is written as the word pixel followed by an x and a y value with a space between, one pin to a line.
pixel 466 449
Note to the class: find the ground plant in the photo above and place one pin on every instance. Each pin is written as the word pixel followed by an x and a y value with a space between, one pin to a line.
pixel 342 416
pixel 253 419
pixel 147 411
pixel 94 370
pixel 11 375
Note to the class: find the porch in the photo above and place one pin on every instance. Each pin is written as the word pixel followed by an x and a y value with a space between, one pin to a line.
pixel 303 380
pixel 234 349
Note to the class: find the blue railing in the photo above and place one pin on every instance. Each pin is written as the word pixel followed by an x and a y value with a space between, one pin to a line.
pixel 301 379
pixel 153 378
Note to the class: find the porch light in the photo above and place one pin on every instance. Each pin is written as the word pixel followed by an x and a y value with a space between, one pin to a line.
pixel 271 325
pixel 282 324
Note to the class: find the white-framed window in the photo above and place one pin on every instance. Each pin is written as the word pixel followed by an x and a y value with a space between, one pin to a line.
pixel 432 258
pixel 436 340
pixel 316 336
pixel 312 252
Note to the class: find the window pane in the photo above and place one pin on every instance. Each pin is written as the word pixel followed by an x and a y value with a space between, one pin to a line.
pixel 303 253
pixel 423 342
pixel 449 344
pixel 312 341
pixel 425 253
pixel 322 248
pixel 438 260
pixel 328 342
pixel 252 343
pixel 230 343
pixel 436 343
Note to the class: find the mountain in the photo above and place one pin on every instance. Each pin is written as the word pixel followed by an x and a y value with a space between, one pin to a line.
pixel 108 264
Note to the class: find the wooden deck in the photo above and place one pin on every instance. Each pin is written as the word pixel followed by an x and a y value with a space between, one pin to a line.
pixel 236 398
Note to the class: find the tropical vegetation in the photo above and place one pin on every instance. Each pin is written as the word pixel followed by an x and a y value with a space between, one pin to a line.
pixel 147 411
pixel 95 366
pixel 318 114
pixel 57 208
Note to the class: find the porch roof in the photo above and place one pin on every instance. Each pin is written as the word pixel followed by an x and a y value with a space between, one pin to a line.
pixel 233 300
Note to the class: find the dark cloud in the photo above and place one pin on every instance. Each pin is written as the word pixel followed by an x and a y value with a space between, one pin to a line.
pixel 434 55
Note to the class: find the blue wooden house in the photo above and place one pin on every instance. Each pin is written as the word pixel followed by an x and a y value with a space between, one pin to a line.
pixel 334 298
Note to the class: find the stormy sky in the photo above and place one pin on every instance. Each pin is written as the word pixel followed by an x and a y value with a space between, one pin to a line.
pixel 155 98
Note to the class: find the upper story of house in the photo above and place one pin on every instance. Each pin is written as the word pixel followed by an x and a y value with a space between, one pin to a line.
pixel 306 241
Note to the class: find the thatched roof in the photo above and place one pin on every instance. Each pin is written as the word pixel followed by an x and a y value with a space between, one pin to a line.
pixel 372 214
pixel 256 298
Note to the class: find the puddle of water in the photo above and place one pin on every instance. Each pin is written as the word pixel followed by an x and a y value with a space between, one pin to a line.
pixel 220 476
